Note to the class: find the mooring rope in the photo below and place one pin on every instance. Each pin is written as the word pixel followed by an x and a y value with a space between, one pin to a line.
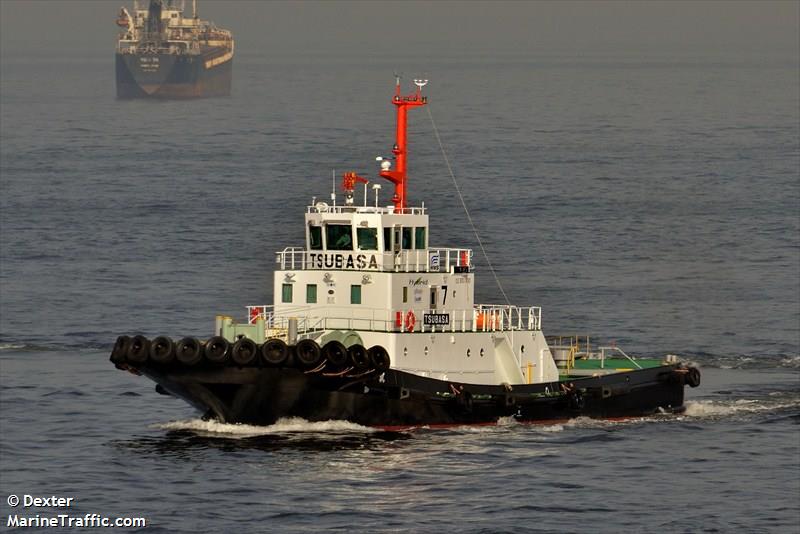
pixel 464 205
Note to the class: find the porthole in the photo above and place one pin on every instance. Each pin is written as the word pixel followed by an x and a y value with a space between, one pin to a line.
pixel 522 349
pixel 481 353
pixel 468 353
pixel 426 351
pixel 405 351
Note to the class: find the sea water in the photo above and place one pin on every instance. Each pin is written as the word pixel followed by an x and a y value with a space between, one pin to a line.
pixel 648 202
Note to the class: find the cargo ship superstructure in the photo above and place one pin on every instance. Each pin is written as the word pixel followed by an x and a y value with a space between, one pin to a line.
pixel 372 324
pixel 163 54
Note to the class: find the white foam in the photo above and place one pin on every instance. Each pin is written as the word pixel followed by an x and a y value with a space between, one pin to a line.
pixel 791 361
pixel 551 428
pixel 584 422
pixel 282 426
pixel 710 408
pixel 11 346
pixel 507 421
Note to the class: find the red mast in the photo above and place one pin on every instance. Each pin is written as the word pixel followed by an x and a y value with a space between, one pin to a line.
pixel 398 175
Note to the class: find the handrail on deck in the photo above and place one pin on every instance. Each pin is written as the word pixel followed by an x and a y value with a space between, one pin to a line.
pixel 389 210
pixel 617 349
pixel 580 347
pixel 481 318
pixel 407 260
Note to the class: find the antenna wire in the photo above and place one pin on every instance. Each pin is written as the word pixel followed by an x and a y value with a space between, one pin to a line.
pixel 464 205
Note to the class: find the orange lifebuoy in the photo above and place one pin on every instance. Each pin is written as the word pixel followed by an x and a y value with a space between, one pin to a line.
pixel 411 320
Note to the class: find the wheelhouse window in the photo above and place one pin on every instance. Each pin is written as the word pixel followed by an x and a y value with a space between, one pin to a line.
pixel 311 293
pixel 286 293
pixel 387 239
pixel 419 237
pixel 407 234
pixel 339 237
pixel 355 294
pixel 367 238
pixel 315 237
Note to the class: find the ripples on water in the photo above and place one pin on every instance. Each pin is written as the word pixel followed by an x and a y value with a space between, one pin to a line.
pixel 650 203
pixel 107 437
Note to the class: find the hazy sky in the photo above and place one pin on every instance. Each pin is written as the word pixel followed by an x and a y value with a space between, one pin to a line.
pixel 762 28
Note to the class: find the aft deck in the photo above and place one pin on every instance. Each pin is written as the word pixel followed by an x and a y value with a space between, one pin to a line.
pixel 576 357
pixel 596 367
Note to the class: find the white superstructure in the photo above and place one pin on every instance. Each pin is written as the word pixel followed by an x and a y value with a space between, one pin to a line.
pixel 367 274
pixel 163 28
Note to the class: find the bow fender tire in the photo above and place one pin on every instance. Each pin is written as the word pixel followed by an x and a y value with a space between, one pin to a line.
pixel 217 350
pixel 335 353
pixel 189 351
pixel 162 350
pixel 379 358
pixel 138 350
pixel 244 352
pixel 308 353
pixel 274 352
pixel 359 357
pixel 120 350
pixel 693 377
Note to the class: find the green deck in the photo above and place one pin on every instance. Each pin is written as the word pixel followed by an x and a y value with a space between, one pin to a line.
pixel 590 367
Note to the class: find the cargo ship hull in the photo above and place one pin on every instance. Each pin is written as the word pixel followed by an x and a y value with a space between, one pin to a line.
pixel 174 75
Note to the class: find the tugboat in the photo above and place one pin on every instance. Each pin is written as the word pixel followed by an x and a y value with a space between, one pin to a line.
pixel 162 54
pixel 373 325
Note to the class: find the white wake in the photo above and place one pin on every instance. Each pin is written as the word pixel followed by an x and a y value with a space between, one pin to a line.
pixel 283 426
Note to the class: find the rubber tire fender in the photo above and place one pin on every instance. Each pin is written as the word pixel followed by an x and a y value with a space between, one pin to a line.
pixel 244 351
pixel 308 353
pixel 120 350
pixel 217 350
pixel 693 377
pixel 138 350
pixel 162 350
pixel 359 357
pixel 379 358
pixel 335 353
pixel 274 352
pixel 189 351
pixel 576 400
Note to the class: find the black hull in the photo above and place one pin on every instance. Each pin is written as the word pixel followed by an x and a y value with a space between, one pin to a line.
pixel 395 399
pixel 170 76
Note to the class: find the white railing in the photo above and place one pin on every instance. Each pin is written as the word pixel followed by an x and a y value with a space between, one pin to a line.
pixel 613 349
pixel 324 208
pixel 434 260
pixel 481 318
pixel 507 317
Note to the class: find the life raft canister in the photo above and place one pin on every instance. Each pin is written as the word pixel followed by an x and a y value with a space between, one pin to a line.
pixel 488 319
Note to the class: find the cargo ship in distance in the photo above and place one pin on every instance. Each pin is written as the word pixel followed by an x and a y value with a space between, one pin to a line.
pixel 162 54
